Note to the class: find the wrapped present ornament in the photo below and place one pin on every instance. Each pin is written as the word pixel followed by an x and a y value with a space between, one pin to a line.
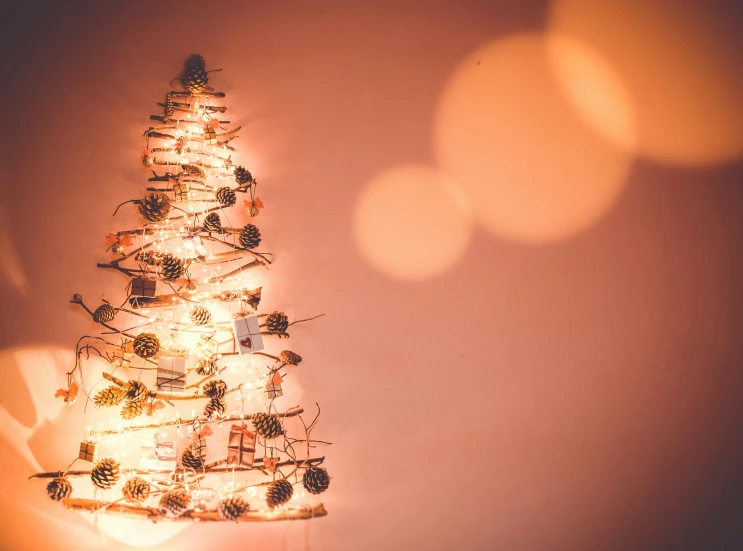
pixel 248 333
pixel 194 247
pixel 158 454
pixel 142 287
pixel 210 136
pixel 180 192
pixel 89 450
pixel 198 434
pixel 241 446
pixel 273 388
pixel 171 373
pixel 207 345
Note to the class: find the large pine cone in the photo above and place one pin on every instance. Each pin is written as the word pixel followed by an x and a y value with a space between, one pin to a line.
pixel 289 357
pixel 215 389
pixel 232 508
pixel 136 391
pixel 109 397
pixel 190 459
pixel 59 489
pixel 226 197
pixel 155 206
pixel 316 480
pixel 278 493
pixel 200 315
pixel 277 322
pixel 132 410
pixel 146 345
pixel 206 367
pixel 267 425
pixel 136 490
pixel 104 313
pixel 194 75
pixel 212 222
pixel 215 409
pixel 250 237
pixel 243 175
pixel 171 267
pixel 106 473
pixel 175 502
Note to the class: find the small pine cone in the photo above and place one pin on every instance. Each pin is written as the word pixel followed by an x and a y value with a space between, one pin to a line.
pixel 215 409
pixel 289 357
pixel 148 257
pixel 175 502
pixel 267 425
pixel 206 367
pixel 169 106
pixel 171 267
pixel 243 175
pixel 250 237
pixel 215 389
pixel 136 391
pixel 226 196
pixel 194 171
pixel 316 480
pixel 278 493
pixel 155 206
pixel 146 345
pixel 109 397
pixel 136 490
pixel 132 410
pixel 200 315
pixel 59 489
pixel 232 508
pixel 106 473
pixel 277 322
pixel 194 75
pixel 191 460
pixel 104 313
pixel 212 222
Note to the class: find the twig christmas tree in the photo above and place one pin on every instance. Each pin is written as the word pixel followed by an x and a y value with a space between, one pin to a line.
pixel 190 311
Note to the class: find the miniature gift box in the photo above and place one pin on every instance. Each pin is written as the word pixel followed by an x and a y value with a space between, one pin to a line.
pixel 248 334
pixel 241 446
pixel 207 345
pixel 197 433
pixel 157 455
pixel 194 247
pixel 273 390
pixel 180 191
pixel 171 373
pixel 89 450
pixel 142 287
pixel 210 137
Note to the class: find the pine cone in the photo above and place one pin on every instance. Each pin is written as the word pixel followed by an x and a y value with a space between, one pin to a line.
pixel 169 106
pixel 226 196
pixel 194 75
pixel 250 237
pixel 215 409
pixel 106 473
pixel 212 222
pixel 267 426
pixel 171 267
pixel 136 391
pixel 109 397
pixel 104 313
pixel 289 357
pixel 277 322
pixel 316 480
pixel 278 493
pixel 59 489
pixel 190 459
pixel 155 206
pixel 146 345
pixel 232 508
pixel 175 502
pixel 194 171
pixel 136 490
pixel 215 389
pixel 132 410
pixel 200 315
pixel 148 257
pixel 243 175
pixel 206 367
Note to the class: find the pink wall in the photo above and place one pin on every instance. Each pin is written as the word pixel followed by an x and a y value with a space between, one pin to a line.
pixel 535 388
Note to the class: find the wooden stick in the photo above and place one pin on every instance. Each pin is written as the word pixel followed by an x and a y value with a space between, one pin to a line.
pixel 181 94
pixel 247 295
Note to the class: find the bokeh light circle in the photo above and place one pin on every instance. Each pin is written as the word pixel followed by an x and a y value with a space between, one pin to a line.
pixel 411 222
pixel 679 67
pixel 532 166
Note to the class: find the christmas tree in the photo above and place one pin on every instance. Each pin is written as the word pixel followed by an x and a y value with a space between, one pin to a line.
pixel 188 377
